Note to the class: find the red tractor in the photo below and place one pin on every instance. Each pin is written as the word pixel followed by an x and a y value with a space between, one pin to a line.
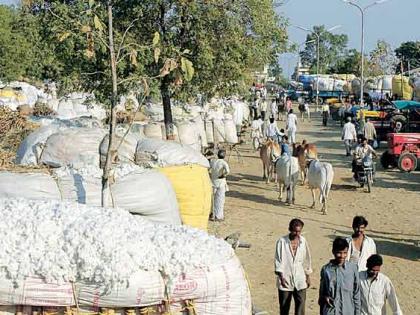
pixel 403 151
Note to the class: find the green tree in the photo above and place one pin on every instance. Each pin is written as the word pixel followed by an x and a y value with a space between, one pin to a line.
pixel 224 41
pixel 349 63
pixel 16 58
pixel 408 55
pixel 331 47
pixel 382 60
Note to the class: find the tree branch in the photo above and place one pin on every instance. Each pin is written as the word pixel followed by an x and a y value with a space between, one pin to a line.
pixel 124 35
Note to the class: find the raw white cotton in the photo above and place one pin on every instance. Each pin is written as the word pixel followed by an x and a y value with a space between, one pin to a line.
pixel 62 242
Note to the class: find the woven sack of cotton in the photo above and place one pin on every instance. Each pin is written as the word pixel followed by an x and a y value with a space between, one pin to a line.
pixel 355 86
pixel 195 207
pixel 201 129
pixel 189 134
pixel 30 149
pixel 140 191
pixel 154 130
pixel 231 135
pixel 219 132
pixel 73 146
pixel 153 111
pixel 78 105
pixel 401 87
pixel 386 83
pixel 208 124
pixel 104 252
pixel 162 153
pixel 29 185
pixel 11 98
pixel 30 92
pixel 125 145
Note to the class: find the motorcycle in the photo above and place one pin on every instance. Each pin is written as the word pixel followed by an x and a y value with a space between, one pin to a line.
pixel 365 172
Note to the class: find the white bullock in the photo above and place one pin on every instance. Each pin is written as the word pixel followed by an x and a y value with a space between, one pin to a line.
pixel 287 168
pixel 320 176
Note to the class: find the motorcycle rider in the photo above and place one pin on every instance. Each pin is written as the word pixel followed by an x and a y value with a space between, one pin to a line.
pixel 362 151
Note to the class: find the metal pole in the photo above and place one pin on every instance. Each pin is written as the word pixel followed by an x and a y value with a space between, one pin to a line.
pixel 317 72
pixel 363 57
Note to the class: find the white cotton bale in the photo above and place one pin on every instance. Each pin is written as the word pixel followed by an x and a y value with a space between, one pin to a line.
pixel 209 131
pixel 30 149
pixel 144 288
pixel 219 131
pixel 231 135
pixel 154 130
pixel 164 153
pixel 149 194
pixel 28 185
pixel 189 135
pixel 73 146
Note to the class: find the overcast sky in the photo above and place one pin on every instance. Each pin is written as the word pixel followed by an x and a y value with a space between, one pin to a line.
pixel 395 21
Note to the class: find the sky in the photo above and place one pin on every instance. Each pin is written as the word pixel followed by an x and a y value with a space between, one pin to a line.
pixel 394 21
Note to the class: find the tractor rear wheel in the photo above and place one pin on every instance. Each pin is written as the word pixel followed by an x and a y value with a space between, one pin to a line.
pixel 387 160
pixel 407 162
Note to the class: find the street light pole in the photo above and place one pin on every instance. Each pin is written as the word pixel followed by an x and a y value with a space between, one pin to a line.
pixel 362 50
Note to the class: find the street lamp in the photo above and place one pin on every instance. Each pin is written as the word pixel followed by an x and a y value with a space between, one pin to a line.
pixel 318 36
pixel 362 12
pixel 299 49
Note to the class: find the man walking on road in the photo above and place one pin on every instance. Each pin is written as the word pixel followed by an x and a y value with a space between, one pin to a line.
pixel 219 169
pixel 361 246
pixel 293 267
pixel 376 288
pixel 348 135
pixel 369 132
pixel 291 126
pixel 325 114
pixel 339 289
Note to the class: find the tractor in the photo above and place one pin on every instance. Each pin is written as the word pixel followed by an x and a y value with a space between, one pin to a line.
pixel 403 152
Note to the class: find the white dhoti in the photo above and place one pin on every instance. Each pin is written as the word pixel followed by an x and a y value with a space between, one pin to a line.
pixel 291 133
pixel 219 202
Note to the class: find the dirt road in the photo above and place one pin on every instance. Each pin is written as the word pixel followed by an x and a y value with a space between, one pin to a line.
pixel 392 209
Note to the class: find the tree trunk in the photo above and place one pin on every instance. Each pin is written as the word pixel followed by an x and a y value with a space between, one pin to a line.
pixel 111 139
pixel 167 111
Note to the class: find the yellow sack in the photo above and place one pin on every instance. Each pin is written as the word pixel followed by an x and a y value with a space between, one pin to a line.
pixel 12 94
pixel 193 190
pixel 401 87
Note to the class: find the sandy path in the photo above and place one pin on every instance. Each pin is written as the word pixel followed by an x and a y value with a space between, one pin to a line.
pixel 393 212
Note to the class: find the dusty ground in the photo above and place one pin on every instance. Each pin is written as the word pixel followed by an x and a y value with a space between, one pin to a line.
pixel 392 209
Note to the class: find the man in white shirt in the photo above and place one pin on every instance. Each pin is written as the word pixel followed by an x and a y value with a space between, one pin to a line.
pixel 291 126
pixel 219 169
pixel 273 110
pixel 292 264
pixel 361 246
pixel 376 289
pixel 263 108
pixel 272 130
pixel 348 135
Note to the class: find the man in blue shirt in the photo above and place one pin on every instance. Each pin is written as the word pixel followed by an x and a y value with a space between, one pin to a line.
pixel 339 290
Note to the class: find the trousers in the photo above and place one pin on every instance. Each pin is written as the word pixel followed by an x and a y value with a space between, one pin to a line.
pixel 291 133
pixel 348 145
pixel 285 299
pixel 219 202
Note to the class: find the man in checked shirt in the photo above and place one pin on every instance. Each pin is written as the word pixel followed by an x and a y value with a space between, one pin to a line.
pixel 293 267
